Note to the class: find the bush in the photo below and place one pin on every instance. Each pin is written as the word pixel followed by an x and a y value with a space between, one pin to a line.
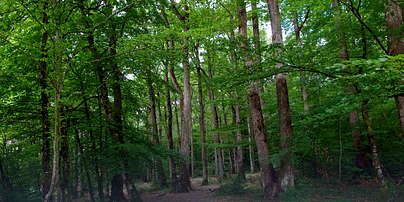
pixel 234 187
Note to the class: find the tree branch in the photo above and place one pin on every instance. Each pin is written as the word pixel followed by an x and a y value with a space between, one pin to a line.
pixel 358 16
pixel 177 13
pixel 116 13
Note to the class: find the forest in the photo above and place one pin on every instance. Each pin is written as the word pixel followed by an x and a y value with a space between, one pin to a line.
pixel 201 100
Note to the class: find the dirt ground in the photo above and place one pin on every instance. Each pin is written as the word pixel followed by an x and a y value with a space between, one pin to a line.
pixel 199 194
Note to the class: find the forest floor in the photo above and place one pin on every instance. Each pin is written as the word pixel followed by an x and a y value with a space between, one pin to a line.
pixel 201 193
pixel 364 190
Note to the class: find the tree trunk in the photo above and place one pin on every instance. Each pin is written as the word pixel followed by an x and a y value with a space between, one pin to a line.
pixel 250 140
pixel 285 123
pixel 250 128
pixel 65 184
pixel 218 151
pixel 169 133
pixel 375 156
pixel 257 48
pixel 240 166
pixel 268 175
pixel 117 184
pixel 231 167
pixel 361 160
pixel 160 118
pixel 394 22
pixel 44 109
pixel 177 123
pixel 58 87
pixel 117 193
pixel 192 150
pixel 83 164
pixel 153 123
pixel 205 173
pixel 297 28
pixel 186 127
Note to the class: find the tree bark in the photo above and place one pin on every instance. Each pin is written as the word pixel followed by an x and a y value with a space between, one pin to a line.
pixel 285 122
pixel 44 108
pixel 213 108
pixel 250 146
pixel 117 193
pixel 394 22
pixel 240 165
pixel 186 127
pixel 169 132
pixel 239 151
pixel 153 123
pixel 202 126
pixel 58 86
pixel 177 123
pixel 269 177
pixel 297 28
pixel 375 156
pixel 361 160
pixel 160 118
pixel 84 164
pixel 65 185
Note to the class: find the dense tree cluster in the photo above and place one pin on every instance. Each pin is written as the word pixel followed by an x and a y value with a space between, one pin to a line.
pixel 97 95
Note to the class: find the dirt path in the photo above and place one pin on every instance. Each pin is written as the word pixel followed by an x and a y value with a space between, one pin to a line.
pixel 200 193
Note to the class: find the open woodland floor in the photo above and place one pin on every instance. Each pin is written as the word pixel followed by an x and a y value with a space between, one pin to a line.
pixel 310 190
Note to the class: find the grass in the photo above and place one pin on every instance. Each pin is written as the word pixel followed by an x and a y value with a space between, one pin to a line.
pixel 314 190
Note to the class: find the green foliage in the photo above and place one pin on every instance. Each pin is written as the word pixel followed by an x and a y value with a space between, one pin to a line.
pixel 234 186
pixel 143 42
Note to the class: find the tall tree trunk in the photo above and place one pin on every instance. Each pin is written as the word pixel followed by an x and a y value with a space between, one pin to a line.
pixel 228 140
pixel 169 133
pixel 153 123
pixel 375 156
pixel 233 158
pixel 46 175
pixel 361 160
pixel 394 22
pixel 184 181
pixel 239 154
pixel 160 118
pixel 192 150
pixel 98 167
pixel 218 151
pixel 216 163
pixel 240 166
pixel 177 124
pixel 58 87
pixel 83 164
pixel 297 28
pixel 250 140
pixel 65 184
pixel 287 177
pixel 257 48
pixel 268 175
pixel 94 149
pixel 202 127
pixel 117 193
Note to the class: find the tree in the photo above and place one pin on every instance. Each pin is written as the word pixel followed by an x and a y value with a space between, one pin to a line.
pixel 287 177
